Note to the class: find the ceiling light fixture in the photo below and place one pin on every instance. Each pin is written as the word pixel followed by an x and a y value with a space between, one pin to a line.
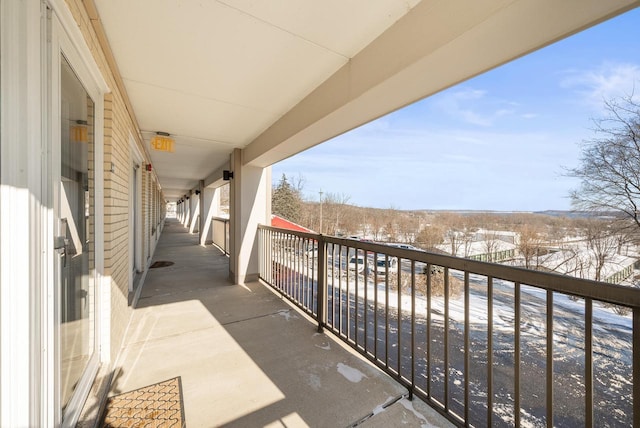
pixel 79 132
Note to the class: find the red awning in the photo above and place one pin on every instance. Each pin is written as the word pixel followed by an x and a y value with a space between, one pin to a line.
pixel 277 221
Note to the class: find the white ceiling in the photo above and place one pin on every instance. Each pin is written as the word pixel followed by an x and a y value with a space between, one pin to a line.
pixel 216 74
pixel 274 77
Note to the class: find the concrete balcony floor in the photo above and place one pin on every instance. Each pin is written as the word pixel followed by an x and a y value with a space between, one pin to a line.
pixel 245 356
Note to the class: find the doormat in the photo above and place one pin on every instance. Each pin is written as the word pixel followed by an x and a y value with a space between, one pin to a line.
pixel 160 264
pixel 157 405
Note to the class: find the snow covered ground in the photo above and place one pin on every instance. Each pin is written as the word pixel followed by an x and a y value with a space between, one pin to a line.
pixel 390 340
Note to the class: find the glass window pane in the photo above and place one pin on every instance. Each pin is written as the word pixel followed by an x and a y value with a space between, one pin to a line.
pixel 76 211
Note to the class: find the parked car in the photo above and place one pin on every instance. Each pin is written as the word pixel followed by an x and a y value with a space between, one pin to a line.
pixel 356 264
pixel 386 264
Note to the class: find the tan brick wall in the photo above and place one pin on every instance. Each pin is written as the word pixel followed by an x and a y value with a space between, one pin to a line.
pixel 119 125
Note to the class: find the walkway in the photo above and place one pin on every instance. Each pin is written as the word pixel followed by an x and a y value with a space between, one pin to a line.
pixel 246 358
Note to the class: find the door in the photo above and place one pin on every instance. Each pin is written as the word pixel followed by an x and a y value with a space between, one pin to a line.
pixel 75 112
pixel 75 237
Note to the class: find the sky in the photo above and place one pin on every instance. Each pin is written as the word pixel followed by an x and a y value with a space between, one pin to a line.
pixel 501 141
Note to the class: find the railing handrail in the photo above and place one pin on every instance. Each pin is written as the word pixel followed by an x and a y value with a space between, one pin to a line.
pixel 584 288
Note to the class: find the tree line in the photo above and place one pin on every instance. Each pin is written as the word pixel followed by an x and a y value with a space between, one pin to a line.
pixel 609 182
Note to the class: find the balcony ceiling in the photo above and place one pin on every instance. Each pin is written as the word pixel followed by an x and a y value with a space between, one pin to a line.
pixel 215 74
pixel 276 77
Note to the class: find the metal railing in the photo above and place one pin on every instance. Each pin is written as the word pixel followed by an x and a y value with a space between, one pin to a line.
pixel 484 344
pixel 220 233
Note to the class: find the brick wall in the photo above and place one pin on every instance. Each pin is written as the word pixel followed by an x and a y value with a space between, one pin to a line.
pixel 119 126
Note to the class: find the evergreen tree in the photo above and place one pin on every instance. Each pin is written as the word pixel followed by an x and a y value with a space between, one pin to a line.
pixel 286 201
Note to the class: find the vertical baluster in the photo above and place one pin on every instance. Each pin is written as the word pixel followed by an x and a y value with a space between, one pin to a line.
pixel 321 295
pixel 516 356
pixel 340 289
pixel 386 315
pixel 355 305
pixel 309 279
pixel 413 327
pixel 636 367
pixel 489 351
pixel 348 296
pixel 428 338
pixel 269 257
pixel 296 269
pixel 446 339
pixel 333 286
pixel 260 253
pixel 375 307
pixel 467 356
pixel 276 255
pixel 588 362
pixel 365 308
pixel 549 358
pixel 399 329
pixel 303 265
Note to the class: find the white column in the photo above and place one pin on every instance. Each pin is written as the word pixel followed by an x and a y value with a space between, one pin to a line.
pixel 187 212
pixel 208 209
pixel 250 206
pixel 195 211
pixel 26 247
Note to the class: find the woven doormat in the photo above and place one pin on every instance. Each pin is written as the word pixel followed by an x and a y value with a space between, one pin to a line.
pixel 158 405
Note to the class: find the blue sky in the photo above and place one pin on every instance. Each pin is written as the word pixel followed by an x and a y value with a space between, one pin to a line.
pixel 499 141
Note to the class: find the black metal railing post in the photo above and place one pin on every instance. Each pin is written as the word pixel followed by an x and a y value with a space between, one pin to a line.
pixel 321 295
pixel 636 366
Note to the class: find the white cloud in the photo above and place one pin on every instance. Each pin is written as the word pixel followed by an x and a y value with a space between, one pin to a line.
pixel 474 107
pixel 608 81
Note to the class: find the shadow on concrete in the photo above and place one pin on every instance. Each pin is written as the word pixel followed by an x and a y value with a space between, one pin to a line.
pixel 246 356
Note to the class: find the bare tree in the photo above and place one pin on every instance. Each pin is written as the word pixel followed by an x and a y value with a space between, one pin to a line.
pixel 467 237
pixel 490 245
pixel 377 223
pixel 430 236
pixel 334 207
pixel 408 226
pixel 454 239
pixel 602 244
pixel 530 245
pixel 609 170
pixel 391 225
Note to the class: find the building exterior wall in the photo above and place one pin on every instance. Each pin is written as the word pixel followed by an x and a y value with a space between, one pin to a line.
pixel 118 127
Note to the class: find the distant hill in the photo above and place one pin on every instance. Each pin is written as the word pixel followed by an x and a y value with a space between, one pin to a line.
pixel 581 214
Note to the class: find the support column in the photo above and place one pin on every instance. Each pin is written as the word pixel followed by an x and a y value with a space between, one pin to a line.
pixel 250 205
pixel 209 208
pixel 26 220
pixel 195 212
pixel 187 212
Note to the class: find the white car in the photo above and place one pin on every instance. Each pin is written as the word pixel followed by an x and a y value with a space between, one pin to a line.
pixel 386 264
pixel 356 264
